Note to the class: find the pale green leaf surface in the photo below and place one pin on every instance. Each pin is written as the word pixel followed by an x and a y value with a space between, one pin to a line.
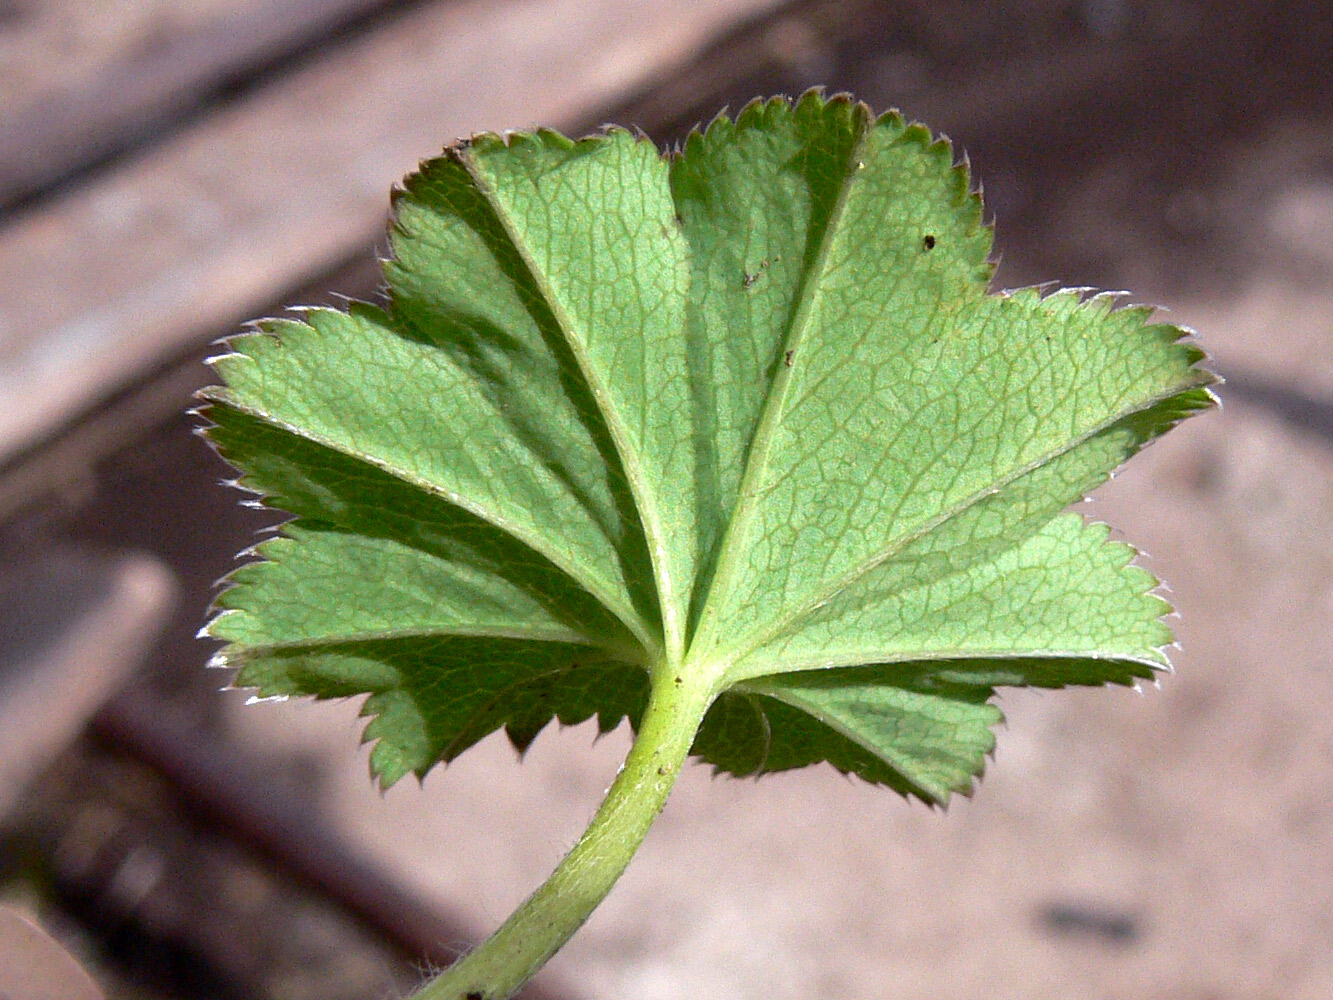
pixel 867 438
pixel 342 380
pixel 746 413
pixel 867 620
pixel 1064 593
pixel 594 223
pixel 754 198
pixel 372 557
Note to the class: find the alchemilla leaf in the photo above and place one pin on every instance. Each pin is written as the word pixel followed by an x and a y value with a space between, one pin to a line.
pixel 744 415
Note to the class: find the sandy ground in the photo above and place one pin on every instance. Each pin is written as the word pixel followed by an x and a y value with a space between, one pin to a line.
pixel 1170 844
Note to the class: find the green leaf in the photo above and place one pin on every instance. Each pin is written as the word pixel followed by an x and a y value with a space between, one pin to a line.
pixel 743 417
pixel 892 725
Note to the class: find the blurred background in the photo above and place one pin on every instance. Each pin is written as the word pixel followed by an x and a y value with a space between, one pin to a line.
pixel 172 168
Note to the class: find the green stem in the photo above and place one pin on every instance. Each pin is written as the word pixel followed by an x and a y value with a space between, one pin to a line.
pixel 550 916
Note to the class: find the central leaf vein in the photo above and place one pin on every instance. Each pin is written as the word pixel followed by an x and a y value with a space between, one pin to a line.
pixel 753 483
pixel 650 518
pixel 786 622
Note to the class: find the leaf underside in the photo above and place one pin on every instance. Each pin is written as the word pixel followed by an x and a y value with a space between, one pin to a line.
pixel 746 409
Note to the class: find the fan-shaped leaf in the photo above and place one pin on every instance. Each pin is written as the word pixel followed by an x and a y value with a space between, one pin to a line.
pixel 744 415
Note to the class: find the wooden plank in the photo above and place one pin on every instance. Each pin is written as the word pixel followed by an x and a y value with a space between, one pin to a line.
pixel 75 627
pixel 80 78
pixel 64 464
pixel 33 966
pixel 221 220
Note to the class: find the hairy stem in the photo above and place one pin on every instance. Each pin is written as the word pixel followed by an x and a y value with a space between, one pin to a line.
pixel 550 916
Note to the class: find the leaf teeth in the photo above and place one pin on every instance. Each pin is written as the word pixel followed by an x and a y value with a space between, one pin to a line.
pixel 761 113
pixel 272 699
pixel 1153 589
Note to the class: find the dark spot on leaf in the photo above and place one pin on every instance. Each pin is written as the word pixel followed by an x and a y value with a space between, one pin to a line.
pixel 661 772
pixel 679 681
pixel 474 995
pixel 929 241
pixel 788 358
pixel 749 279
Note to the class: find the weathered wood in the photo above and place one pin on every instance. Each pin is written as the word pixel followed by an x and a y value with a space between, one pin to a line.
pixel 64 464
pixel 33 966
pixel 81 78
pixel 196 235
pixel 74 625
